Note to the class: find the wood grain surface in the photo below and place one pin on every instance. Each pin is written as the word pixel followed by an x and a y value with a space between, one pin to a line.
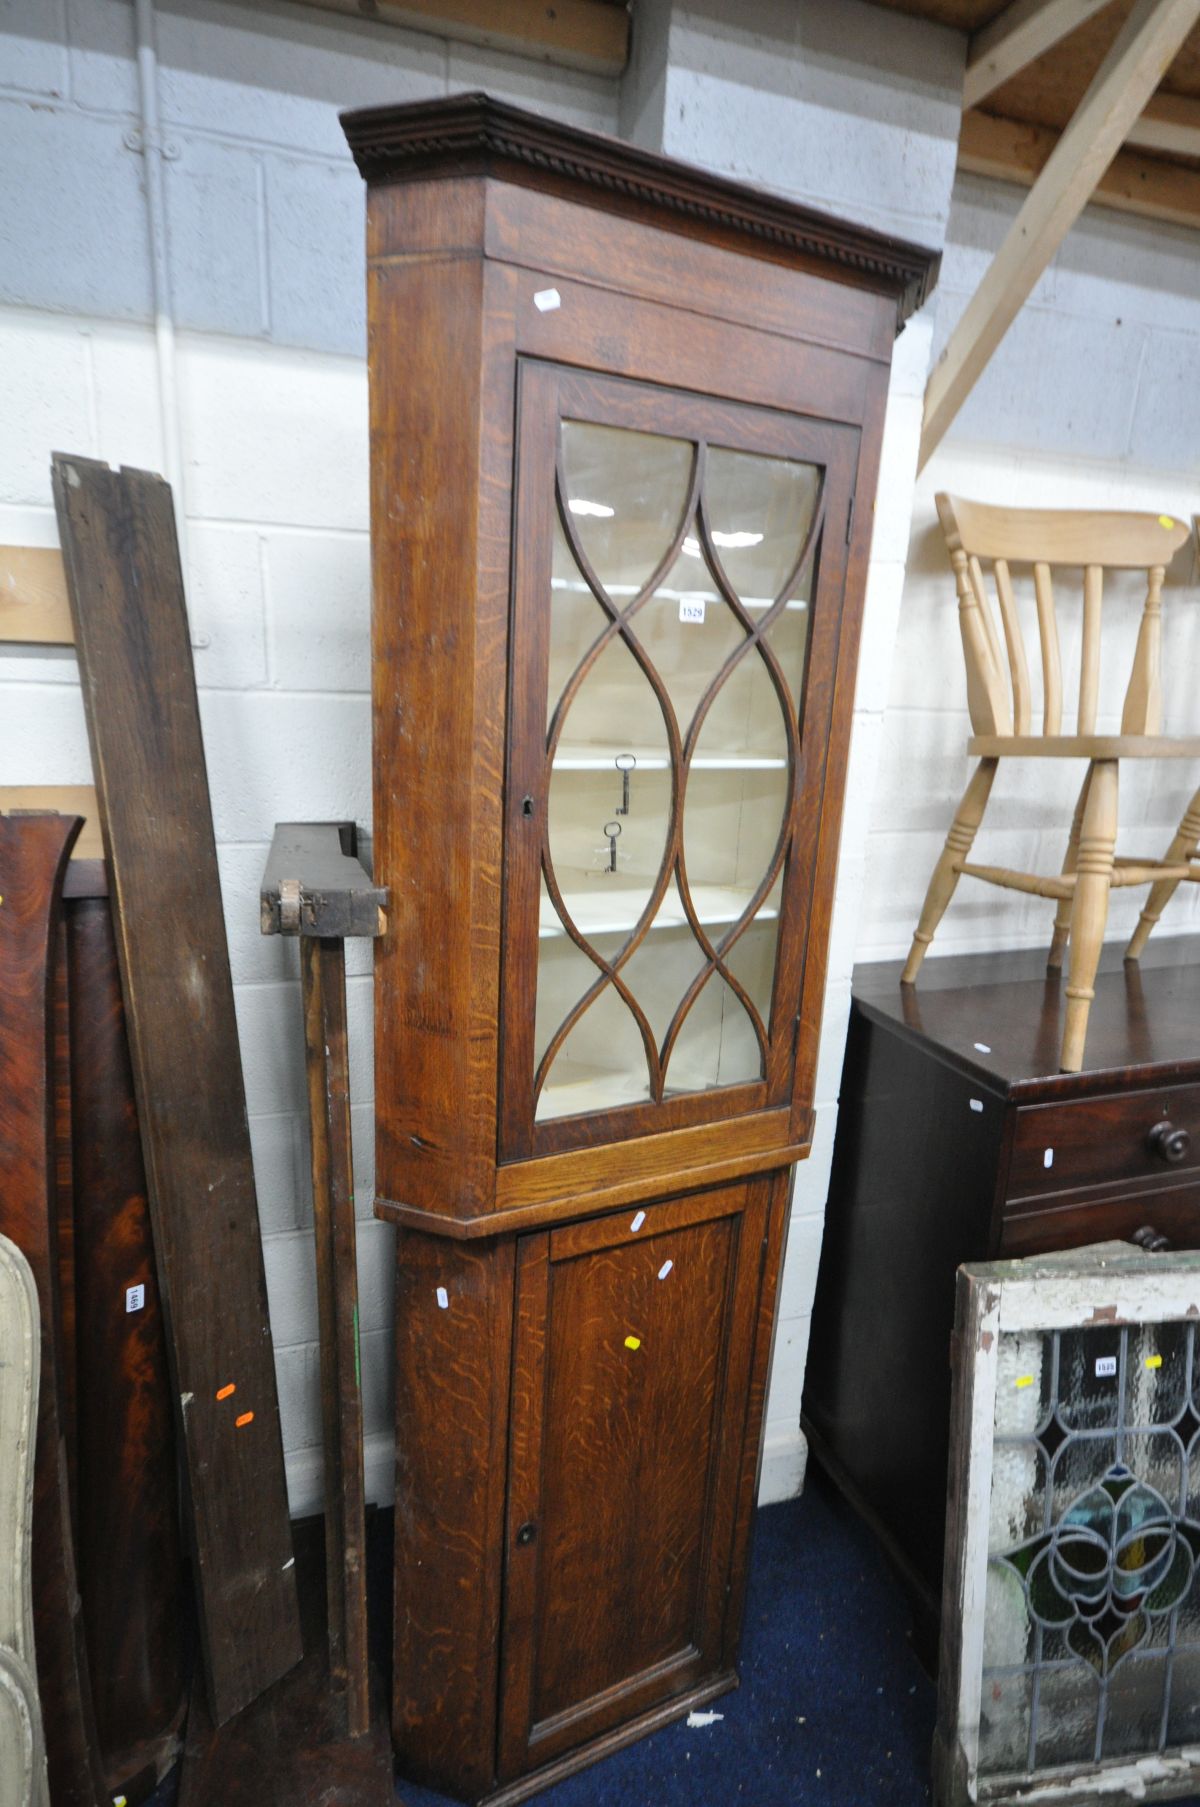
pixel 33 856
pixel 131 1574
pixel 131 635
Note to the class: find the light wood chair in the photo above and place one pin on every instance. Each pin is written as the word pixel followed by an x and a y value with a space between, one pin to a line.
pixel 1000 707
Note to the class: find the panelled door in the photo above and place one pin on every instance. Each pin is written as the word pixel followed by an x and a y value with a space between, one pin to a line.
pixel 631 1372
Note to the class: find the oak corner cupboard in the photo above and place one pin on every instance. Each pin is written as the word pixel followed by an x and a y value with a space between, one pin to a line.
pixel 621 413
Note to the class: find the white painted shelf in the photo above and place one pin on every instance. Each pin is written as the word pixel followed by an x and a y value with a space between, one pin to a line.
pixel 581 758
pixel 595 912
pixel 577 1087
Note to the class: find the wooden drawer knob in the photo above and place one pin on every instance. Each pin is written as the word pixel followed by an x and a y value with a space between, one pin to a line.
pixel 1150 1239
pixel 1168 1143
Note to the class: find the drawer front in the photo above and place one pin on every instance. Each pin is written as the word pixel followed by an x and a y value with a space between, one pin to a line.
pixel 1121 1137
pixel 1174 1214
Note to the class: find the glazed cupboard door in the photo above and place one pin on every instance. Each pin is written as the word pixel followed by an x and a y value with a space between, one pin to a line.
pixel 631 1382
pixel 678 574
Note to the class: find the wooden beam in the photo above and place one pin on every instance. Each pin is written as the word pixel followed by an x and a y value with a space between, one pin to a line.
pixel 579 34
pixel 1123 84
pixel 1014 152
pixel 1016 38
pixel 34 610
pixel 1170 123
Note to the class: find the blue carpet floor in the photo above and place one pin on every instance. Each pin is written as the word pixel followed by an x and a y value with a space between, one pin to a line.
pixel 833 1708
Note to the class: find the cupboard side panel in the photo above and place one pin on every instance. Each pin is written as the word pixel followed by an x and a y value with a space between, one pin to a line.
pixel 440 463
pixel 812 996
pixel 452 1381
pixel 772 1198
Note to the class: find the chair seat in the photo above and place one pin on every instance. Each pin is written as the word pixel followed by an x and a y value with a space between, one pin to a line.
pixel 1083 746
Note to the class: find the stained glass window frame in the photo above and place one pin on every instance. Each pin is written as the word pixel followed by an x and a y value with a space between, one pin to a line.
pixel 1130 1300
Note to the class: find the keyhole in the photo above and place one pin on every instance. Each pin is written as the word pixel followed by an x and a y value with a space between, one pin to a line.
pixel 527 806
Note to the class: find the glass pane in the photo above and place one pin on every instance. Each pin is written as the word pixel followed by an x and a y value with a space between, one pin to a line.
pixel 788 635
pixel 759 511
pixel 689 630
pixel 1090 1378
pixel 601 1064
pixel 751 959
pixel 621 826
pixel 626 494
pixel 716 1045
pixel 576 619
pixel 659 972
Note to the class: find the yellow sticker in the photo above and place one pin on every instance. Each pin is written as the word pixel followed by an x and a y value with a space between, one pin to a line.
pixel 1025 1380
pixel 1164 520
pixel 1154 1361
pixel 633 1342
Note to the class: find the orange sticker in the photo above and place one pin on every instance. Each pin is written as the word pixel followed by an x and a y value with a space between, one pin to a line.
pixel 226 1391
pixel 246 1418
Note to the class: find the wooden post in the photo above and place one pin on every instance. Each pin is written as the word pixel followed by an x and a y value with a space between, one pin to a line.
pixel 315 888
pixel 323 984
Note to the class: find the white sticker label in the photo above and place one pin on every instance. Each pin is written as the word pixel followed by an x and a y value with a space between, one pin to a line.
pixel 665 1269
pixel 546 300
pixel 982 1048
pixel 1106 1367
pixel 135 1296
pixel 443 1298
pixel 977 1104
pixel 638 1221
pixel 691 608
pixel 1048 1158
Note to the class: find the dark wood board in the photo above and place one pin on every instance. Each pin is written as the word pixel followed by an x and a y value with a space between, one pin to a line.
pixel 131 635
pixel 290 1748
pixel 131 1572
pixel 327 1060
pixel 33 854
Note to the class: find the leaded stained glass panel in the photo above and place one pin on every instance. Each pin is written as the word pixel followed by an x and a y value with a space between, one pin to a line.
pixel 1092 1603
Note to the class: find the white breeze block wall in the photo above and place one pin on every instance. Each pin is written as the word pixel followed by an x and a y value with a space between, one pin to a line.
pixel 857 111
pixel 1091 401
pixel 265 215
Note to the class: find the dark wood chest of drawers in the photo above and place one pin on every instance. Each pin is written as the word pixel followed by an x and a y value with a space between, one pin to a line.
pixel 959 1141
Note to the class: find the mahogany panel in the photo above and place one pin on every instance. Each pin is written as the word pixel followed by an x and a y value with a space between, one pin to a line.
pixel 133 644
pixel 33 855
pixel 1098 1141
pixel 131 1575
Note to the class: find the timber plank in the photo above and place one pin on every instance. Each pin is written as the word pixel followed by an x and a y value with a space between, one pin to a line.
pixel 131 634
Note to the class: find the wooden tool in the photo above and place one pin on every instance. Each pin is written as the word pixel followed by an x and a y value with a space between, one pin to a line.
pixel 315 888
pixel 131 636
pixel 316 1739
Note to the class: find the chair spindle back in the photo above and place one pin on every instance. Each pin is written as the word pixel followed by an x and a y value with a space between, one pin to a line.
pixel 1000 702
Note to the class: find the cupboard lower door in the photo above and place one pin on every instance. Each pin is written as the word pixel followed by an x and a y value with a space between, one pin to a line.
pixel 627 1463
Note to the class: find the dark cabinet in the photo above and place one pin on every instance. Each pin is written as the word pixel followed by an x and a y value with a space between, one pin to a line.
pixel 959 1140
pixel 620 414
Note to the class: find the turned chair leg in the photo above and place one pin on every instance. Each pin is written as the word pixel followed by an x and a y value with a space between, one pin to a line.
pixel 1183 847
pixel 946 873
pixel 1062 917
pixel 1089 909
